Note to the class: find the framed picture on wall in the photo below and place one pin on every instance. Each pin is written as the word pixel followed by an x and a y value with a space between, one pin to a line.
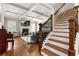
pixel 25 23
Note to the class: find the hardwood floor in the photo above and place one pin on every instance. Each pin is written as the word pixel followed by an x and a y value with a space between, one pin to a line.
pixel 21 48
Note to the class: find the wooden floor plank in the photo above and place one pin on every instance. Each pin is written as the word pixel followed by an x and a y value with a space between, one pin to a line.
pixel 22 48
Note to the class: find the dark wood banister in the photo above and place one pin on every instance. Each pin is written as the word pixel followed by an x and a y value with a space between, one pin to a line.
pixel 60 8
pixel 47 20
pixel 50 18
pixel 40 33
pixel 73 28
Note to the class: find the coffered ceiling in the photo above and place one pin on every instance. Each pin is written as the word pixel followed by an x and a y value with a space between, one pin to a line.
pixel 29 11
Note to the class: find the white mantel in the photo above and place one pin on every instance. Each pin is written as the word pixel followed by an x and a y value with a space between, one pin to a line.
pixel 24 27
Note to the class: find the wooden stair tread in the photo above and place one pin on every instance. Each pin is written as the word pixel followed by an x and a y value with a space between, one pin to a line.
pixel 59 36
pixel 48 52
pixel 59 41
pixel 57 48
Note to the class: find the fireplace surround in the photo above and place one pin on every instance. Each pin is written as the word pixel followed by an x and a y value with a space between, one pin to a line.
pixel 25 31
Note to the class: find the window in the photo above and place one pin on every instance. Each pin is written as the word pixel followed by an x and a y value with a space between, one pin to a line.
pixel 11 26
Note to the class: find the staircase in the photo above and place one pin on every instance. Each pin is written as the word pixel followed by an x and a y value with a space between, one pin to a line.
pixel 61 40
pixel 57 42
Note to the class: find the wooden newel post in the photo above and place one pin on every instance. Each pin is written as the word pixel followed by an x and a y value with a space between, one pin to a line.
pixel 71 50
pixel 40 37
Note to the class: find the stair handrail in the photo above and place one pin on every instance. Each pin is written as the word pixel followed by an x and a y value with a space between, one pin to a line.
pixel 40 34
pixel 61 18
pixel 73 28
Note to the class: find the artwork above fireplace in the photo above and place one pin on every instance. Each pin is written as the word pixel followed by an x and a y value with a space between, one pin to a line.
pixel 25 23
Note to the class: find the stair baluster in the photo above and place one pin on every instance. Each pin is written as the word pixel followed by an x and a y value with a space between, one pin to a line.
pixel 43 32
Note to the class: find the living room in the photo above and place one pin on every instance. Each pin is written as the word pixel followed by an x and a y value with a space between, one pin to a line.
pixel 38 29
pixel 23 23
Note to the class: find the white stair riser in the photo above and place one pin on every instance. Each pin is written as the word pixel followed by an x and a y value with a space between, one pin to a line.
pixel 55 51
pixel 58 44
pixel 64 30
pixel 65 21
pixel 59 38
pixel 62 27
pixel 61 34
pixel 64 24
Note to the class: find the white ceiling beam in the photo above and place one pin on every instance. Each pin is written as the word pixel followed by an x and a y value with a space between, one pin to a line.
pixel 33 7
pixel 24 15
pixel 27 9
pixel 50 7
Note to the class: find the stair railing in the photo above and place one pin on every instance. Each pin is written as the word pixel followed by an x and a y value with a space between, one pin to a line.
pixel 73 28
pixel 44 30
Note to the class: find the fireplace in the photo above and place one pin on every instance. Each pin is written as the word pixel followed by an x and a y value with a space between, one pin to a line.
pixel 25 32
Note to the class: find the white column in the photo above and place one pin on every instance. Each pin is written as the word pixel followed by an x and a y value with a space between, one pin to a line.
pixel 2 13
